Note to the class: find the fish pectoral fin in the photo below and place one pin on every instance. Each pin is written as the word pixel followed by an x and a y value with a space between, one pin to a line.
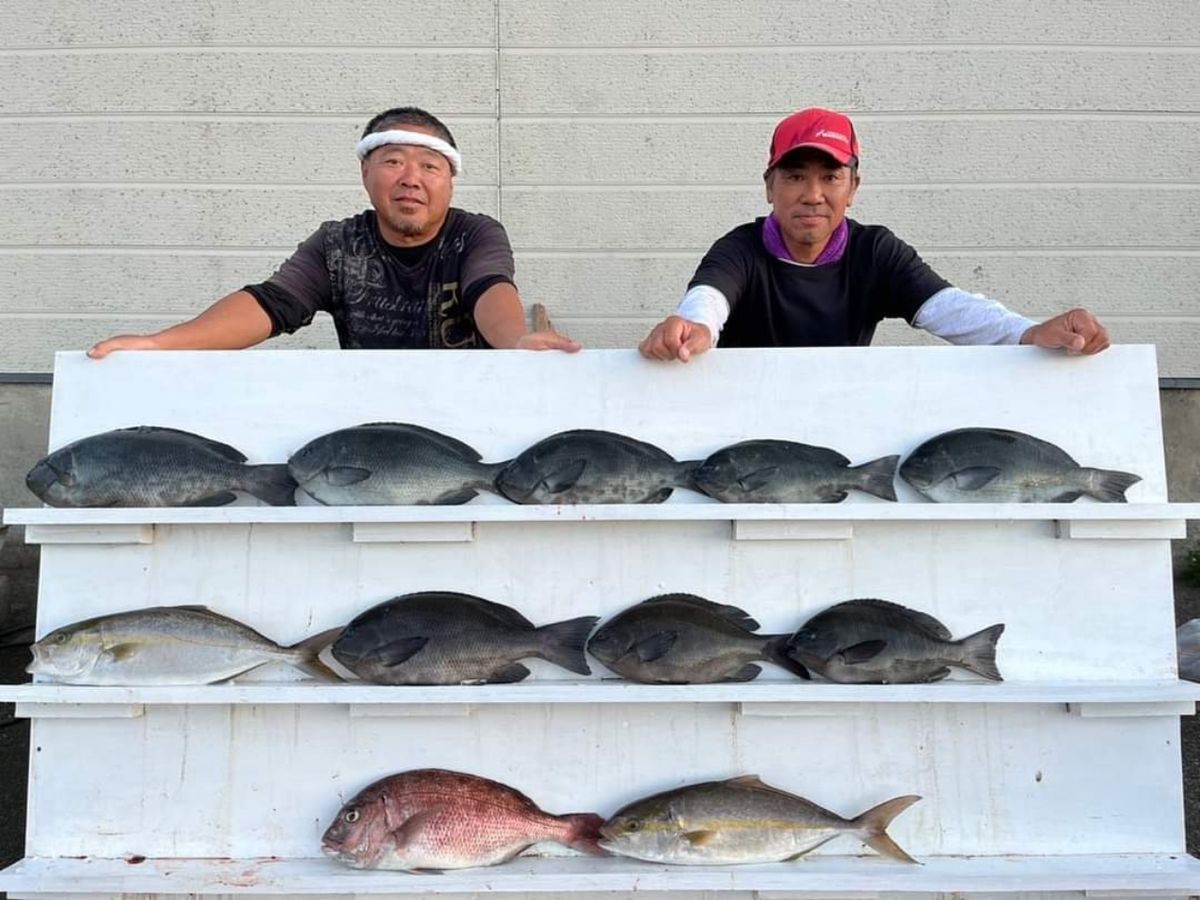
pixel 121 652
pixel 397 652
pixel 974 477
pixel 655 646
pixel 410 829
pixel 564 477
pixel 758 479
pixel 221 498
pixel 341 476
pixel 864 652
pixel 699 838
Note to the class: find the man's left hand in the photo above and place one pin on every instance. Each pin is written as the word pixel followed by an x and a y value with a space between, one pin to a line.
pixel 1076 331
pixel 546 340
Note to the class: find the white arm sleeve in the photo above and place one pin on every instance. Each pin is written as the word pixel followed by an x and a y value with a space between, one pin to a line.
pixel 707 306
pixel 960 317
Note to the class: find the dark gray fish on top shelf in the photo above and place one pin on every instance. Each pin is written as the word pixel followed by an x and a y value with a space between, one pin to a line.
pixel 685 639
pixel 390 464
pixel 592 467
pixel 741 821
pixel 991 465
pixel 877 642
pixel 771 471
pixel 152 466
pixel 442 637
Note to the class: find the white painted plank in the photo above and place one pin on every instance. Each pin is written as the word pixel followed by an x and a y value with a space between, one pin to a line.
pixel 1149 529
pixel 306 876
pixel 209 216
pixel 765 516
pixel 254 79
pixel 89 534
pixel 258 150
pixel 412 532
pixel 714 23
pixel 762 693
pixel 911 149
pixel 955 216
pixel 417 23
pixel 907 79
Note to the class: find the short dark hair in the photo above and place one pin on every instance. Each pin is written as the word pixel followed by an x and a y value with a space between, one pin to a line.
pixel 409 115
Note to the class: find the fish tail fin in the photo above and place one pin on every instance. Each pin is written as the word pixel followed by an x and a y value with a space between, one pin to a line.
pixel 685 475
pixel 1108 486
pixel 272 484
pixel 583 833
pixel 309 651
pixel 488 473
pixel 979 652
pixel 878 477
pixel 563 643
pixel 775 651
pixel 872 825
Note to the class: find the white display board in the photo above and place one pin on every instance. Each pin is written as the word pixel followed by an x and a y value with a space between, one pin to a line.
pixel 1066 777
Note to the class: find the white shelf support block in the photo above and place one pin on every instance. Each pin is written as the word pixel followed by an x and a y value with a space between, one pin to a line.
pixel 1121 529
pixel 409 710
pixel 132 533
pixel 413 532
pixel 78 710
pixel 791 530
pixel 1132 710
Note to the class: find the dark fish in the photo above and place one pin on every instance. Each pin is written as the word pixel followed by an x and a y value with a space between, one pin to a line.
pixel 877 642
pixel 740 821
pixel 685 639
pixel 433 819
pixel 152 466
pixel 991 465
pixel 768 471
pixel 390 463
pixel 440 637
pixel 593 467
pixel 166 645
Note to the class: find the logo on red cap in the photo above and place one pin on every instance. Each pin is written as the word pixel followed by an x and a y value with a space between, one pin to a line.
pixel 822 129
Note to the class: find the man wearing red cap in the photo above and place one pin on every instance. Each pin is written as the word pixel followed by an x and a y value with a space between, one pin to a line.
pixel 806 276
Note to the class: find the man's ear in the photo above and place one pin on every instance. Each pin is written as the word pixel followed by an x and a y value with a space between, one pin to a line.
pixel 856 181
pixel 362 169
pixel 769 181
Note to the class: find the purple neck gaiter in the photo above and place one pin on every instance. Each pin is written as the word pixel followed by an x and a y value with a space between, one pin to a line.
pixel 773 239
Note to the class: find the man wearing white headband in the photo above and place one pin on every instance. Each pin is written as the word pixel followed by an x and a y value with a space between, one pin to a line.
pixel 413 272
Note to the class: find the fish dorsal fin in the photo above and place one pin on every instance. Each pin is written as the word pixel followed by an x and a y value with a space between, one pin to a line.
pixel 506 615
pixel 922 620
pixel 614 437
pixel 231 453
pixel 753 781
pixel 454 445
pixel 726 611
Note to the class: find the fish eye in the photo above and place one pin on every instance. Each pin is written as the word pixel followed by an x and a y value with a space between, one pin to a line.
pixel 60 638
pixel 350 816
pixel 633 825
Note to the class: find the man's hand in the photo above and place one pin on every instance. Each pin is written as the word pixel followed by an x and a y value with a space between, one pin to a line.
pixel 124 342
pixel 1076 331
pixel 676 338
pixel 546 340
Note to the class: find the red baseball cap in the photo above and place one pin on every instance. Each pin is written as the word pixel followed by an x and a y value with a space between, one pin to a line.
pixel 823 129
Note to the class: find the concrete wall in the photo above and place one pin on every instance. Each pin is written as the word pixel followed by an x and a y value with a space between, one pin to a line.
pixel 153 158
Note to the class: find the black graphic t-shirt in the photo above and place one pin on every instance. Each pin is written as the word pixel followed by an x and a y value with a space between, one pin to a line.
pixel 774 303
pixel 385 297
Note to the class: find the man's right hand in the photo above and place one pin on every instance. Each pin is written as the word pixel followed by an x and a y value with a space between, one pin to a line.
pixel 676 338
pixel 124 342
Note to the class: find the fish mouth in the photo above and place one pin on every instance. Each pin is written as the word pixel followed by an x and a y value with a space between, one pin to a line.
pixel 41 478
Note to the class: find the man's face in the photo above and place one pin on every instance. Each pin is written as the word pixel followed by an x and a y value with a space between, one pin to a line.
pixel 810 192
pixel 410 188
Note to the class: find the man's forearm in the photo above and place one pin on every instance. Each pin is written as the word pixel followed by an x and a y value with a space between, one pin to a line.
pixel 232 323
pixel 500 316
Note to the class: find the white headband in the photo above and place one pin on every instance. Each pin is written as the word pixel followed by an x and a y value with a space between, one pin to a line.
pixel 417 138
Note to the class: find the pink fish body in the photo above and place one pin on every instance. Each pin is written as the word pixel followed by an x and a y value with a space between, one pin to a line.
pixel 437 819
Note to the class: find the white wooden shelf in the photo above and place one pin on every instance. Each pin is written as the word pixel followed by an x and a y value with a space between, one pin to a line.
pixel 1130 875
pixel 751 521
pixel 763 698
